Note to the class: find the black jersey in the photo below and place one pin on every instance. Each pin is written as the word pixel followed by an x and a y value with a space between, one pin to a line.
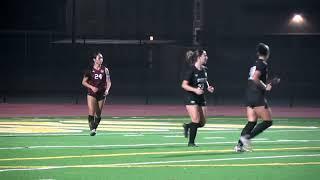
pixel 261 66
pixel 197 79
pixel 255 95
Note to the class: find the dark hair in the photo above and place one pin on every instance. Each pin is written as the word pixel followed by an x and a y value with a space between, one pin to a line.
pixel 95 54
pixel 262 49
pixel 91 63
pixel 191 56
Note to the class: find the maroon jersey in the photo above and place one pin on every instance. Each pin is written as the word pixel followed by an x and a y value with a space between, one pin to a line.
pixel 97 78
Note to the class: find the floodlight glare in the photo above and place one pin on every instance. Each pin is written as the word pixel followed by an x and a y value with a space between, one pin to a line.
pixel 297 19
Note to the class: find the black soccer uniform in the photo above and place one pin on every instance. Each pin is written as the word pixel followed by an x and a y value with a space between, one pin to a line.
pixel 255 95
pixel 197 79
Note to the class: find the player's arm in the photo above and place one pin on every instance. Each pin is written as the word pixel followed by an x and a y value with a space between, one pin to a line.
pixel 85 82
pixel 209 87
pixel 108 81
pixel 274 81
pixel 87 85
pixel 185 85
pixel 259 83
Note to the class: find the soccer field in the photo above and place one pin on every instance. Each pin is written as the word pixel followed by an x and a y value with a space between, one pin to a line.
pixel 154 148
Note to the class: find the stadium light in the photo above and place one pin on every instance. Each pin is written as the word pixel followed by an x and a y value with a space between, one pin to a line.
pixel 297 19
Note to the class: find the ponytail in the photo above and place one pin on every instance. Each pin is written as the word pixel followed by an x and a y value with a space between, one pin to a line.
pixel 191 56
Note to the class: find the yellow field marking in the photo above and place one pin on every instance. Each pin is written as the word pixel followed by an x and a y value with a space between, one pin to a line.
pixel 129 126
pixel 115 122
pixel 44 127
pixel 125 129
pixel 24 167
pixel 28 123
pixel 39 128
pixel 112 127
pixel 154 153
pixel 36 129
pixel 163 125
pixel 178 124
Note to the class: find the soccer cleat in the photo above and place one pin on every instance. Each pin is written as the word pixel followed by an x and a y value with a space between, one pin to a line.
pixel 93 132
pixel 246 143
pixel 238 148
pixel 192 145
pixel 185 130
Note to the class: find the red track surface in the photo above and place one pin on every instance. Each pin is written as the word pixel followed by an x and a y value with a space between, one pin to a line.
pixel 34 110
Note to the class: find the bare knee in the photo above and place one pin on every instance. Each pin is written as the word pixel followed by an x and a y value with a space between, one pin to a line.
pixel 251 115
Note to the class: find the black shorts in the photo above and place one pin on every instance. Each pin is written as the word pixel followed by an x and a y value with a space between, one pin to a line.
pixel 99 96
pixel 195 100
pixel 255 97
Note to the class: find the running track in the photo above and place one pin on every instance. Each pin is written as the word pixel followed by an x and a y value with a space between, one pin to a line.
pixel 34 110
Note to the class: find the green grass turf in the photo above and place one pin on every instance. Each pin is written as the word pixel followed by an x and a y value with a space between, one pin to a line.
pixel 289 150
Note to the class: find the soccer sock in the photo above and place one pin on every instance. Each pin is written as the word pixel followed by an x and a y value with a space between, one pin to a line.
pixel 193 132
pixel 201 124
pixel 260 128
pixel 247 130
pixel 97 122
pixel 91 122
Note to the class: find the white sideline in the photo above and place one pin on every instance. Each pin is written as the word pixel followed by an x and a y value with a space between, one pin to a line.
pixel 146 145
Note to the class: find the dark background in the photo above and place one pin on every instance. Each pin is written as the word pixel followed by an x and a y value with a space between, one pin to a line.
pixel 35 67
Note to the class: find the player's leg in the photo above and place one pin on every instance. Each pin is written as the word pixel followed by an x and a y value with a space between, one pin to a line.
pixel 252 121
pixel 265 113
pixel 203 116
pixel 202 120
pixel 92 103
pixel 193 111
pixel 98 112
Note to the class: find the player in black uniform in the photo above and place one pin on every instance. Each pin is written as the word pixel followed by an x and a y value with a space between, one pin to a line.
pixel 194 83
pixel 97 80
pixel 256 102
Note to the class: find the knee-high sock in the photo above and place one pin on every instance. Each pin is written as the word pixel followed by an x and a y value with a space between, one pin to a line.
pixel 247 130
pixel 201 124
pixel 260 128
pixel 97 122
pixel 193 132
pixel 91 122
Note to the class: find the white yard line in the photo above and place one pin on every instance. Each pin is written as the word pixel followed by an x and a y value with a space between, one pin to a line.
pixel 132 165
pixel 144 133
pixel 214 138
pixel 149 145
pixel 132 135
pixel 174 136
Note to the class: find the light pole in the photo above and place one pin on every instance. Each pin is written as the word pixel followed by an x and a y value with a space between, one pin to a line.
pixel 149 69
pixel 296 24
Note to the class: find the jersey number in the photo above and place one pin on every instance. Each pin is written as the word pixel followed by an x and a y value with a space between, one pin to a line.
pixel 97 76
pixel 251 72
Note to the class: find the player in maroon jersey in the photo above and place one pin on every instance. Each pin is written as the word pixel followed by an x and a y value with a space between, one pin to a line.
pixel 97 80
